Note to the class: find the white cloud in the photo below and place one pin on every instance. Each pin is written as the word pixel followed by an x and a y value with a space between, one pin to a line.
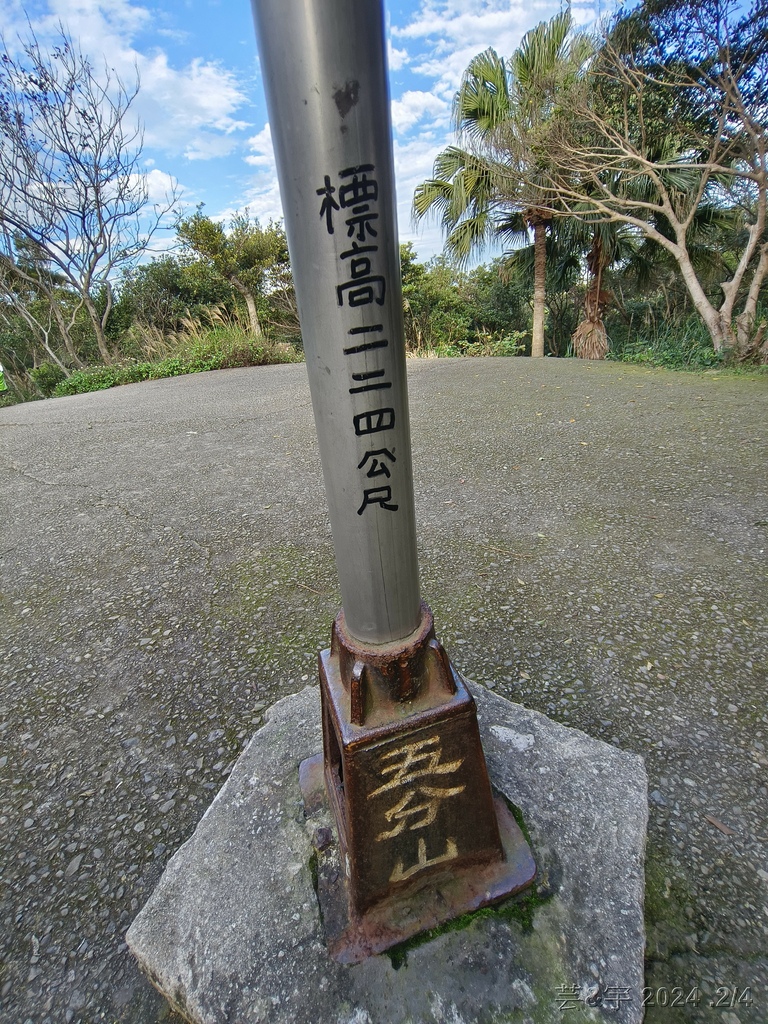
pixel 415 106
pixel 164 196
pixel 159 245
pixel 205 145
pixel 587 14
pixel 262 199
pixel 414 158
pixel 190 109
pixel 161 185
pixel 468 20
pixel 444 35
pixel 452 32
pixel 396 59
pixel 262 155
pixel 413 163
pixel 176 35
pixel 262 195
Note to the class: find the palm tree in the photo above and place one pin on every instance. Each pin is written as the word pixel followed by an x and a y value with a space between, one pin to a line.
pixel 494 186
pixel 606 245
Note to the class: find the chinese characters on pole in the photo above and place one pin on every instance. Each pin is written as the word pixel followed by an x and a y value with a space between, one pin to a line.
pixel 357 193
pixel 324 71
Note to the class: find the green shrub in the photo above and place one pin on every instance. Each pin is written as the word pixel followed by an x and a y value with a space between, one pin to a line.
pixel 509 343
pixel 224 345
pixel 676 346
pixel 171 367
pixel 135 373
pixel 481 343
pixel 92 378
pixel 46 377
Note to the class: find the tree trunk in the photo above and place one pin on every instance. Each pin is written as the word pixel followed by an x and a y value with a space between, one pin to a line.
pixel 42 333
pixel 750 338
pixel 98 329
pixel 742 338
pixel 65 334
pixel 590 339
pixel 750 334
pixel 250 302
pixel 539 286
pixel 719 331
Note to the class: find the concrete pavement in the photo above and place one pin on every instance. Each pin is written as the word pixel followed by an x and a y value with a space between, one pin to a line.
pixel 592 543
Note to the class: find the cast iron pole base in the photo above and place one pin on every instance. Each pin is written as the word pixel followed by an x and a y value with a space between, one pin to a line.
pixel 420 838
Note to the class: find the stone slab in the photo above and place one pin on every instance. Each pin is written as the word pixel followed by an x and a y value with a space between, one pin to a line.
pixel 232 932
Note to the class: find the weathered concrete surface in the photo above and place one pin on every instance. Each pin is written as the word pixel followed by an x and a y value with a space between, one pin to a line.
pixel 593 544
pixel 232 933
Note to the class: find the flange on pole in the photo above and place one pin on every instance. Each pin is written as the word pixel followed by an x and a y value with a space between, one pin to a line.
pixel 420 837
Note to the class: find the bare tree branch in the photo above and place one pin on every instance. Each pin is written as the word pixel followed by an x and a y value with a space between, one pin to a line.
pixel 71 184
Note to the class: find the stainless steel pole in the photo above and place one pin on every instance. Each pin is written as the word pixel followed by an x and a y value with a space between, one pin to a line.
pixel 418 836
pixel 324 69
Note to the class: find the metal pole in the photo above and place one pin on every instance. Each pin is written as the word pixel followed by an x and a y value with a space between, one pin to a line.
pixel 324 70
pixel 419 838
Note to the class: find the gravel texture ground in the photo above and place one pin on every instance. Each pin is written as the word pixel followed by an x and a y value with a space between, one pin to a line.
pixel 593 544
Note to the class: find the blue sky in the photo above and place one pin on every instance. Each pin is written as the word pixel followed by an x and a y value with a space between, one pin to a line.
pixel 201 99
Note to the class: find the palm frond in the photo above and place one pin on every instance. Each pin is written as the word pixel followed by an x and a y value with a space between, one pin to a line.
pixel 482 103
pixel 539 52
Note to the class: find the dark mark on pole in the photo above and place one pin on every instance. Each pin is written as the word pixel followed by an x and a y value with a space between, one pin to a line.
pixel 347 97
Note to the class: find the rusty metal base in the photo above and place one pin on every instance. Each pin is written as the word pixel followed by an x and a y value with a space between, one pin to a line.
pixel 438 899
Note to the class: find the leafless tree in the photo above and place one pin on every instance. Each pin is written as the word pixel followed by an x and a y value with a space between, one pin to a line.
pixel 74 203
pixel 23 302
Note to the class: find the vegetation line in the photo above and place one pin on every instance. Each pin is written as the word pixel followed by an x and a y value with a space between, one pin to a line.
pixel 624 174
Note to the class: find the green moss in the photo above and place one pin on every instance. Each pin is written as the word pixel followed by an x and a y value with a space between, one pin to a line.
pixel 257 597
pixel 517 814
pixel 231 739
pixel 666 897
pixel 520 908
pixel 314 872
